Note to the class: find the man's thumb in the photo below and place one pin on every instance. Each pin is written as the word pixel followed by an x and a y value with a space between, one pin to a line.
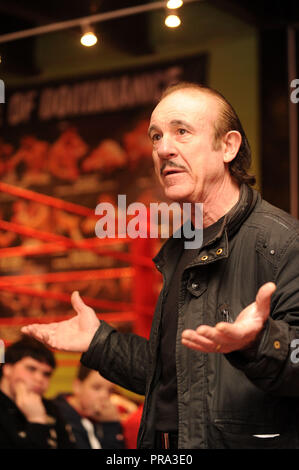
pixel 263 298
pixel 78 303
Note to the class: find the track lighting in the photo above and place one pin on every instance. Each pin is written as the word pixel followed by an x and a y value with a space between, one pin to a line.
pixel 88 37
pixel 173 4
pixel 172 21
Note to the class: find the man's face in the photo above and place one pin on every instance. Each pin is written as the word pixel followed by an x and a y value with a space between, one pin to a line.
pixel 34 374
pixel 182 132
pixel 92 392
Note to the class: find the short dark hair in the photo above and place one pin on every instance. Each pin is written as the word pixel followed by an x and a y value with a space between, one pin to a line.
pixel 83 373
pixel 228 120
pixel 28 347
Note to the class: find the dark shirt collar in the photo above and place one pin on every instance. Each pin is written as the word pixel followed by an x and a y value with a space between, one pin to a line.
pixel 227 225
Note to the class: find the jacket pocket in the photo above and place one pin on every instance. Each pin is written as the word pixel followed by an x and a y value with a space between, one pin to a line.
pixel 233 434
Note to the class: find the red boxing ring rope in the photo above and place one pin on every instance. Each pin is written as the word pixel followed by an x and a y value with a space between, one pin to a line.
pixel 139 312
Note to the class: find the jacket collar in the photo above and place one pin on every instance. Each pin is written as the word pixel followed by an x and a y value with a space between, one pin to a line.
pixel 216 247
pixel 67 409
pixel 4 399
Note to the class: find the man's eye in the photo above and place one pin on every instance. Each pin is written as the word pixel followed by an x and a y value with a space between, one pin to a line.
pixel 182 131
pixel 155 137
pixel 47 375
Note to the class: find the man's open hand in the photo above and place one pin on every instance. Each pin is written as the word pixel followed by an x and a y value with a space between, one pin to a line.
pixel 227 337
pixel 74 334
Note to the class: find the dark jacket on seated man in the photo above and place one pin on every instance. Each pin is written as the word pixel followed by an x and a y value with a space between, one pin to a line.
pixel 90 434
pixel 91 412
pixel 16 432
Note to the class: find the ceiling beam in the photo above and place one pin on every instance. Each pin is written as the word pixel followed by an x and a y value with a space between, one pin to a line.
pixel 100 17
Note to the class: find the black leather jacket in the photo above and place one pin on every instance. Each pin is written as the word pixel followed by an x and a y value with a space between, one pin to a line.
pixel 235 400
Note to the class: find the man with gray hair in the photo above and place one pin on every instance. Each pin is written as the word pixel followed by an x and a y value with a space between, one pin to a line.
pixel 216 371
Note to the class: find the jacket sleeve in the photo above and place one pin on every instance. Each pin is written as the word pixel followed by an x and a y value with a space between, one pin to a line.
pixel 121 358
pixel 272 363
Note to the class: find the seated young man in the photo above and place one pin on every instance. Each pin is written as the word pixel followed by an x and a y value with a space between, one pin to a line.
pixel 27 420
pixel 94 418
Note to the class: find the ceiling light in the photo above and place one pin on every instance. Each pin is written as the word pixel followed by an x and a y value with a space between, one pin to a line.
pixel 173 4
pixel 172 21
pixel 88 37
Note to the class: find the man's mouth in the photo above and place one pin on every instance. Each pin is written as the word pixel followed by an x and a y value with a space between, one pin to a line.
pixel 171 171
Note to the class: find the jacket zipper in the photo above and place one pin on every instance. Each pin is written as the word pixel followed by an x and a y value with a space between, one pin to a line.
pixel 225 315
pixel 163 294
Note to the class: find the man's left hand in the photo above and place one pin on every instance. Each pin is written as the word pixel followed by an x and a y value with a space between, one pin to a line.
pixel 227 337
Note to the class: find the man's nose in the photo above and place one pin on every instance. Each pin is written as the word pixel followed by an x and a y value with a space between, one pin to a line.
pixel 166 148
pixel 39 378
pixel 104 395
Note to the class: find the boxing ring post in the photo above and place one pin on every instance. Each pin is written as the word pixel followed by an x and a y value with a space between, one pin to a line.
pixel 143 286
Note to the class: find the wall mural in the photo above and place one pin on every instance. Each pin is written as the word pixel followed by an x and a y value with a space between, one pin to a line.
pixel 67 146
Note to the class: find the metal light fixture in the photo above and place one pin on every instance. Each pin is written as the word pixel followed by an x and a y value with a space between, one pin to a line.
pixel 88 37
pixel 68 24
pixel 172 21
pixel 174 4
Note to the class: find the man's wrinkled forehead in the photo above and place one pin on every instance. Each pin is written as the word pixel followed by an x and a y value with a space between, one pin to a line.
pixel 188 105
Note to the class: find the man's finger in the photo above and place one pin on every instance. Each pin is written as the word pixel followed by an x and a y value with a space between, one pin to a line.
pixel 20 387
pixel 208 332
pixel 191 339
pixel 198 346
pixel 37 331
pixel 232 331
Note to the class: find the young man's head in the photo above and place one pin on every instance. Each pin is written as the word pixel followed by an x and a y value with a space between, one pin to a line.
pixel 27 361
pixel 90 390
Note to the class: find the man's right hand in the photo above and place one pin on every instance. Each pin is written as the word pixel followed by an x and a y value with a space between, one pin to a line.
pixel 30 404
pixel 105 411
pixel 74 334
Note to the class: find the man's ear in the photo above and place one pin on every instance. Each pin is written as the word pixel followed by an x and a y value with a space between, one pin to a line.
pixel 76 386
pixel 231 142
